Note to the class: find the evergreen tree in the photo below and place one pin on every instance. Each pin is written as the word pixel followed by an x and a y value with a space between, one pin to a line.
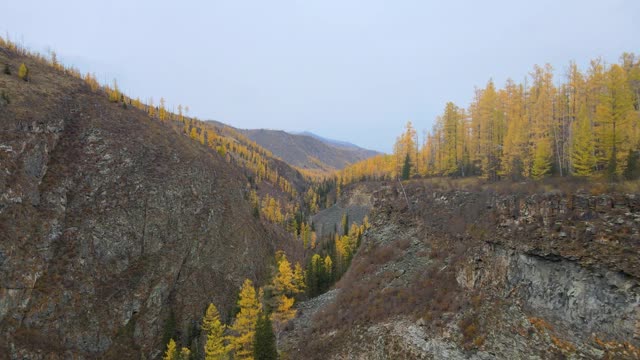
pixel 406 168
pixel 632 171
pixel 612 166
pixel 345 223
pixel 169 327
pixel 314 275
pixel 214 348
pixel 264 345
pixel 7 70
pixel 406 146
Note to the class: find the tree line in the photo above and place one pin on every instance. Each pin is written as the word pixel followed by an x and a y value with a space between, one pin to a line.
pixel 587 125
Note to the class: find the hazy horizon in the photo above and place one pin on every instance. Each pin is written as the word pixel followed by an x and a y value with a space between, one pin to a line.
pixel 354 72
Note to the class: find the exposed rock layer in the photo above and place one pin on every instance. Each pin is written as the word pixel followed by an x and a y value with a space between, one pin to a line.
pixel 536 276
pixel 111 224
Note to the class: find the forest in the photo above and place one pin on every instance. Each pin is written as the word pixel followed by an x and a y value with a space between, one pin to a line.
pixel 588 125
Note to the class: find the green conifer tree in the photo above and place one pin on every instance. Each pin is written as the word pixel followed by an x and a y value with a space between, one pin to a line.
pixel 264 345
pixel 406 168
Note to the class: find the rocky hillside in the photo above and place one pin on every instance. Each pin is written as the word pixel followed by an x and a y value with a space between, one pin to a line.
pixel 484 274
pixel 308 152
pixel 116 230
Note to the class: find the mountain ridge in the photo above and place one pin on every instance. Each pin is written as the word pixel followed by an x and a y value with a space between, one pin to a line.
pixel 309 151
pixel 334 142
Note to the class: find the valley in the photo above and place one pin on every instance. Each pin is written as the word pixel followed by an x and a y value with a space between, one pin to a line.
pixel 132 230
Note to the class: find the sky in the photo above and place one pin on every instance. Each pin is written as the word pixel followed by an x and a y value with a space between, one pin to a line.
pixel 354 70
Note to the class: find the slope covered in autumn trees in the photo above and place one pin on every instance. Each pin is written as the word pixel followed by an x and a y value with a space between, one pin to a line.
pixel 153 203
pixel 311 154
pixel 121 221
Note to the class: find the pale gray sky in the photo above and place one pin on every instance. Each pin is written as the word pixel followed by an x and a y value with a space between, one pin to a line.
pixel 349 70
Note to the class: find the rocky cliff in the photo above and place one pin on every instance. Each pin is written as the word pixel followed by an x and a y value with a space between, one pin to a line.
pixel 485 275
pixel 115 230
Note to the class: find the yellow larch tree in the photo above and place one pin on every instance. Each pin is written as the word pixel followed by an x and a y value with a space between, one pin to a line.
pixel 162 111
pixel 582 153
pixel 23 72
pixel 244 325
pixel 615 112
pixel 172 351
pixel 214 348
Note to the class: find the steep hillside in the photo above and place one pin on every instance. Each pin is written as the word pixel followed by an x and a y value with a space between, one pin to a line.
pixel 116 230
pixel 484 274
pixel 337 143
pixel 307 152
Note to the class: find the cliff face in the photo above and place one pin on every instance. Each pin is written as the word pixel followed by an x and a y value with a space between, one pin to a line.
pixel 111 225
pixel 483 275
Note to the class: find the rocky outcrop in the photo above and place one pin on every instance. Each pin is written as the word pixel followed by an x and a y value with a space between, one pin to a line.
pixel 489 275
pixel 112 225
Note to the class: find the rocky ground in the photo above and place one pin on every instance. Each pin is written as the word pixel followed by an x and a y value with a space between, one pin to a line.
pixel 483 275
pixel 356 204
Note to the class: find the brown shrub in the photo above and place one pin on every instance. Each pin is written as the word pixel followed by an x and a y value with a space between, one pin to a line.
pixel 403 244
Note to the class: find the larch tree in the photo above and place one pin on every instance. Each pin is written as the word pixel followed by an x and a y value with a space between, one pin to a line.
pixel 162 111
pixel 542 124
pixel 114 92
pixel 541 159
pixel 180 114
pixel 172 351
pixel 214 348
pixel 515 140
pixel 406 147
pixel 491 131
pixel 244 325
pixel 283 282
pixel 285 285
pixel 185 354
pixel 298 277
pixel 328 266
pixel 453 128
pixel 582 154
pixel 151 110
pixel 23 72
pixel 614 111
